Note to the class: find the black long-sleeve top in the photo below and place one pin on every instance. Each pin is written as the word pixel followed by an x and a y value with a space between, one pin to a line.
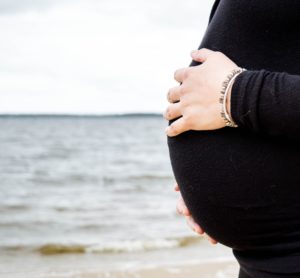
pixel 266 98
pixel 242 185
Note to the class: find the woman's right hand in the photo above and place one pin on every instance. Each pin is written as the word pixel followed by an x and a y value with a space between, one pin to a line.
pixel 182 209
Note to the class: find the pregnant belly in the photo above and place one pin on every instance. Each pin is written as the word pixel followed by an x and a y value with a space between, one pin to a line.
pixel 243 189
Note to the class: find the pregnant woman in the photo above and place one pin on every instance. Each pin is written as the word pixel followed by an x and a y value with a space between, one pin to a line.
pixel 238 169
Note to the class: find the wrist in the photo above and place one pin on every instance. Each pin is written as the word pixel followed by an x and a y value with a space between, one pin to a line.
pixel 228 99
pixel 225 100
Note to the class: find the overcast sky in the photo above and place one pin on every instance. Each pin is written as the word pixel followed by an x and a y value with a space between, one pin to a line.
pixel 94 56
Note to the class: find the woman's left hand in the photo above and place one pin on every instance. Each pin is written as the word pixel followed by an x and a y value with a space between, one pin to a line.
pixel 197 98
pixel 184 211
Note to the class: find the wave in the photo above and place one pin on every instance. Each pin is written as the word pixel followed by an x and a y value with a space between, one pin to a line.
pixel 150 177
pixel 17 207
pixel 146 177
pixel 142 245
pixel 54 249
pixel 125 246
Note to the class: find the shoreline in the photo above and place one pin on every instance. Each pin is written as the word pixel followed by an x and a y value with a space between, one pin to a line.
pixel 224 269
pixel 200 260
pixel 221 267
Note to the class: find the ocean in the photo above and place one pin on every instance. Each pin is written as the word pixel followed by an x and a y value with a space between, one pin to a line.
pixel 90 192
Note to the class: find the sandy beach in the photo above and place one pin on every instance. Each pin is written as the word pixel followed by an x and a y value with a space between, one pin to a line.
pixel 213 269
pixel 227 269
pixel 199 260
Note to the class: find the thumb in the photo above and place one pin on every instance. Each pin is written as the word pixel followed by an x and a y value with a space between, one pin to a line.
pixel 201 55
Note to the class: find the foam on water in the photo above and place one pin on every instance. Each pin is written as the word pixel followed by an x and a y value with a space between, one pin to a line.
pixel 121 246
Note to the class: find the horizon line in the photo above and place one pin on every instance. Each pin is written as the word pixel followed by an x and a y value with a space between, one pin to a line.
pixel 148 114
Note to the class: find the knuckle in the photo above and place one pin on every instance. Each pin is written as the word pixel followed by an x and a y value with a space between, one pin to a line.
pixel 186 73
pixel 182 90
pixel 168 113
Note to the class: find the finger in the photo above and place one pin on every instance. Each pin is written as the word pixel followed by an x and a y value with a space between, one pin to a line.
pixel 202 54
pixel 177 127
pixel 174 94
pixel 198 229
pixel 179 205
pixel 194 226
pixel 211 240
pixel 176 188
pixel 190 223
pixel 173 111
pixel 180 74
pixel 184 209
pixel 181 208
pixel 178 208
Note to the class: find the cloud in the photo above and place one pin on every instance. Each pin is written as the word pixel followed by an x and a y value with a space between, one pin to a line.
pixel 93 56
pixel 11 6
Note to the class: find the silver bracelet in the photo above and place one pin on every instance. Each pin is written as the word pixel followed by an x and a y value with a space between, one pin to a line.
pixel 224 92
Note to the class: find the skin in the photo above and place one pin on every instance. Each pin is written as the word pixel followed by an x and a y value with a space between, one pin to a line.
pixel 182 209
pixel 195 102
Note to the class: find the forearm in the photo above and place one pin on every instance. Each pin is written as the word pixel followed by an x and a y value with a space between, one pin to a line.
pixel 267 102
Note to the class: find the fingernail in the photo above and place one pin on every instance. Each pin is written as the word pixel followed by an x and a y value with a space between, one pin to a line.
pixel 193 52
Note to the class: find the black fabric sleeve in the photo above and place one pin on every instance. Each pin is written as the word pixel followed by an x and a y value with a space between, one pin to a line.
pixel 267 102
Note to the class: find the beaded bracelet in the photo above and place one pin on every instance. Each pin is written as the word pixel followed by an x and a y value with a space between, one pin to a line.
pixel 224 92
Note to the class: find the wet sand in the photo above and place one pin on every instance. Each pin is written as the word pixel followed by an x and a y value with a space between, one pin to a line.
pixel 225 269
